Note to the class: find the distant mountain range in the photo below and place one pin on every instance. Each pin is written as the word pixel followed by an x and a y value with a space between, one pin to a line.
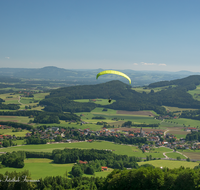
pixel 88 76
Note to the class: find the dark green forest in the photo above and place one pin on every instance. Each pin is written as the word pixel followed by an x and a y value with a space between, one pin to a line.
pixel 43 117
pixel 193 136
pixel 145 178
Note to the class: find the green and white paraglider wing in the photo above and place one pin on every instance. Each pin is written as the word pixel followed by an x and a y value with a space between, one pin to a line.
pixel 113 72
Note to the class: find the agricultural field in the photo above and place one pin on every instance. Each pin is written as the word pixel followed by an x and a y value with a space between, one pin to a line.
pixel 141 113
pixel 195 93
pixel 19 142
pixel 40 168
pixel 23 101
pixel 175 155
pixel 134 119
pixel 113 117
pixel 92 126
pixel 100 110
pixel 40 96
pixel 116 148
pixel 96 101
pixel 17 134
pixel 178 132
pixel 148 90
pixel 9 98
pixel 20 119
pixel 170 163
pixel 169 124
pixel 172 109
pixel 186 122
pixel 192 154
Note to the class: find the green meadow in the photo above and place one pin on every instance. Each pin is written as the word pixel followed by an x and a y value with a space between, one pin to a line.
pixel 42 167
pixel 98 101
pixel 190 150
pixel 40 96
pixel 186 122
pixel 170 163
pixel 19 142
pixel 134 119
pixel 172 109
pixel 175 155
pixel 27 100
pixel 148 90
pixel 64 124
pixel 179 135
pixel 17 134
pixel 20 119
pixel 165 125
pixel 13 100
pixel 100 110
pixel 24 101
pixel 195 93
pixel 116 148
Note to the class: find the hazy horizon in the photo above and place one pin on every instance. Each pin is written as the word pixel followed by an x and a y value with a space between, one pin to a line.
pixel 98 68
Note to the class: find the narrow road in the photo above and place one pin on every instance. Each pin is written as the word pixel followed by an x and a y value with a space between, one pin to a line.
pixel 19 101
pixel 164 154
pixel 165 132
pixel 182 154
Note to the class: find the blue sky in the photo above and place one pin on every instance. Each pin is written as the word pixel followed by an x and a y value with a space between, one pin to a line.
pixel 109 34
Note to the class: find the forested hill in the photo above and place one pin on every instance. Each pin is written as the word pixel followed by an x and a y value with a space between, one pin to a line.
pixel 189 82
pixel 127 99
pixel 115 89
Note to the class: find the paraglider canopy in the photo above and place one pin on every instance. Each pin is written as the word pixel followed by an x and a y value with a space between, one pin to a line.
pixel 115 73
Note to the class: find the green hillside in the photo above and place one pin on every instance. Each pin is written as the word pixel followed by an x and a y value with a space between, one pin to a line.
pixel 171 93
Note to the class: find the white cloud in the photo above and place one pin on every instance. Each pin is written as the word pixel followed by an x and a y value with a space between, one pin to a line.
pixel 7 57
pixel 162 64
pixel 148 63
pixel 135 63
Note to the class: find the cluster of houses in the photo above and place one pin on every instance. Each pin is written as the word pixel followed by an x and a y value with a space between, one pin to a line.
pixel 2 137
pixel 5 127
pixel 49 133
pixel 26 93
pixel 192 129
pixel 154 137
pixel 85 162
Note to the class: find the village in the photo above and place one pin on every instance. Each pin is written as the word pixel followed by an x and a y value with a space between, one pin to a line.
pixel 154 138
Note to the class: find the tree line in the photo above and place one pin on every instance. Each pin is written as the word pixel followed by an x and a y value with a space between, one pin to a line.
pixel 9 106
pixel 122 139
pixel 96 166
pixel 16 125
pixel 14 159
pixel 130 124
pixel 146 178
pixel 192 114
pixel 43 117
pixel 72 155
pixel 193 136
pixel 54 117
